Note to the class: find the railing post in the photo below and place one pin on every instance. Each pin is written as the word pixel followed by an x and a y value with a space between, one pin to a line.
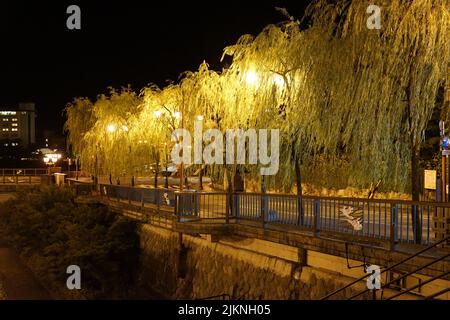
pixel 158 201
pixel 177 206
pixel 264 208
pixel 196 199
pixel 394 227
pixel 300 211
pixel 416 224
pixel 316 217
pixel 228 207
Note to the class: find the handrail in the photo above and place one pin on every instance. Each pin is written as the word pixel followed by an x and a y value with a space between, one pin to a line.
pixel 437 294
pixel 391 201
pixel 223 295
pixel 403 276
pixel 389 268
pixel 418 285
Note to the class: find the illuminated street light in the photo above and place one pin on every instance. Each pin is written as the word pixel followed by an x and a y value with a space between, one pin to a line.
pixel 157 113
pixel 200 118
pixel 251 77
pixel 111 128
pixel 125 128
pixel 177 115
pixel 278 81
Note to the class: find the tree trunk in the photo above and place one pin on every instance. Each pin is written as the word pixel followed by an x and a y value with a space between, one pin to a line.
pixel 416 191
pixel 200 177
pixel 238 181
pixel 415 173
pixel 166 181
pixel 110 179
pixel 156 172
pixel 415 168
pixel 298 180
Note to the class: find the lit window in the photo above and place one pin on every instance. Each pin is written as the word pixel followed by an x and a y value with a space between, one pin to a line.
pixel 14 124
pixel 5 119
pixel 5 129
pixel 14 119
pixel 5 144
pixel 14 129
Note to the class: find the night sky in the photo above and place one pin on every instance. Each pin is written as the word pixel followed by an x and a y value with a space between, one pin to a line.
pixel 120 43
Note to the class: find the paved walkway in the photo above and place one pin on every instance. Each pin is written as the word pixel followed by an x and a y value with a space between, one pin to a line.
pixel 17 282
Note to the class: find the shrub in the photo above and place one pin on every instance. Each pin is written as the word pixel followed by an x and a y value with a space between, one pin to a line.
pixel 52 232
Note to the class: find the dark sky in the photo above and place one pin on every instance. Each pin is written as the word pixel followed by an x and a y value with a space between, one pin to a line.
pixel 120 43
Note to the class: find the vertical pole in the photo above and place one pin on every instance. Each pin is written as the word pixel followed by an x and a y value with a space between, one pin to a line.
pixel 182 163
pixel 264 200
pixel 394 227
pixel 316 217
pixel 158 196
pixel 76 168
pixel 228 207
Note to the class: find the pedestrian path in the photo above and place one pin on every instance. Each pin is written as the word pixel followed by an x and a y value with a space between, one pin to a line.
pixel 16 280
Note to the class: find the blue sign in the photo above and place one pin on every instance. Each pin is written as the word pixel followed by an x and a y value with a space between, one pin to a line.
pixel 445 143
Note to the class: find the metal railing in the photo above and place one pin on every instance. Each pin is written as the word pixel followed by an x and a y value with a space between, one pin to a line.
pixel 396 221
pixel 393 220
pixel 396 265
pixel 163 197
pixel 22 175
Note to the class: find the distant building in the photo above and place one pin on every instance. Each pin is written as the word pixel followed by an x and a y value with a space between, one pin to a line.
pixel 17 125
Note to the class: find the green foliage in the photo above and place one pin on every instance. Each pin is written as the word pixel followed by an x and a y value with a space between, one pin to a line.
pixel 337 91
pixel 53 232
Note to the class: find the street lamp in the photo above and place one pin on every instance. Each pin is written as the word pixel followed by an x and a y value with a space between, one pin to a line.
pixel 157 113
pixel 251 77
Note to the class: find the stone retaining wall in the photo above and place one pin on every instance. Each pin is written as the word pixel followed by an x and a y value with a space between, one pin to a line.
pixel 201 268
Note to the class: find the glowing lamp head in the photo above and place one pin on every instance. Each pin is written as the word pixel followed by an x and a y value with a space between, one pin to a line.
pixel 278 81
pixel 157 113
pixel 111 128
pixel 177 115
pixel 251 77
pixel 200 118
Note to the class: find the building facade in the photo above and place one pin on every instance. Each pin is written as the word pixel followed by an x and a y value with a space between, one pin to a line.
pixel 18 126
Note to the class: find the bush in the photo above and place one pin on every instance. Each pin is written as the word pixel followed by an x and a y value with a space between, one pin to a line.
pixel 52 232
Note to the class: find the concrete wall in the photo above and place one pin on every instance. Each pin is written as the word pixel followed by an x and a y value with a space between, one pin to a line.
pixel 247 268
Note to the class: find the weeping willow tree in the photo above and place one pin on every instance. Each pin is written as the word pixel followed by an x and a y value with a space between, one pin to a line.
pixel 79 120
pixel 276 70
pixel 158 118
pixel 107 147
pixel 385 87
pixel 353 99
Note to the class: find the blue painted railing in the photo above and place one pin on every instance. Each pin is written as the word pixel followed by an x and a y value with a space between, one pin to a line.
pixel 397 221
